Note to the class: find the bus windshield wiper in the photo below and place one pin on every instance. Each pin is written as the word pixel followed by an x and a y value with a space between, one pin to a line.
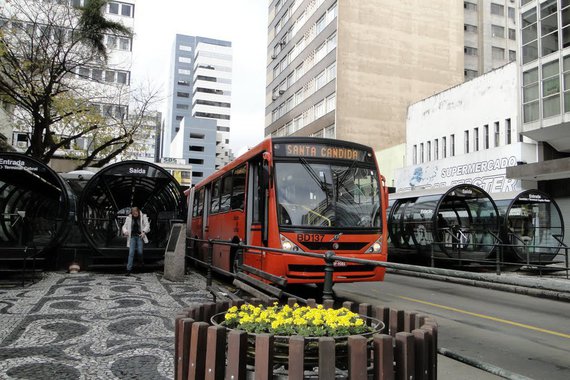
pixel 322 184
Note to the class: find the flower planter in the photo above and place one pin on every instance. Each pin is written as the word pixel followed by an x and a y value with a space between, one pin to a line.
pixel 311 356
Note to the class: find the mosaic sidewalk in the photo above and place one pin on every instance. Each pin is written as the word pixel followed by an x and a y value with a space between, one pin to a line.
pixel 93 326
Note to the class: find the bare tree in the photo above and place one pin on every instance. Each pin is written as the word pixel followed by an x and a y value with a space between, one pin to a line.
pixel 52 60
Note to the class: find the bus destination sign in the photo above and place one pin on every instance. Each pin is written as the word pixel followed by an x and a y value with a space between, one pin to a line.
pixel 320 151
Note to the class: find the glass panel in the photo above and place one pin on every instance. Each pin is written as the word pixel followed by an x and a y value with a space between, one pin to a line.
pixel 565 37
pixel 547 8
pixel 529 34
pixel 530 93
pixel 530 52
pixel 567 81
pixel 567 101
pixel 530 76
pixel 549 24
pixel 530 112
pixel 529 17
pixel 566 63
pixel 565 16
pixel 549 69
pixel 550 44
pixel 564 3
pixel 550 86
pixel 551 106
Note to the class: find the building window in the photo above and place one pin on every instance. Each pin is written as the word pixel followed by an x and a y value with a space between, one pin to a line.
pixel 498 53
pixel 469 6
pixel 548 27
pixel 452 145
pixel 429 151
pixel 421 153
pixel 330 131
pixel 469 74
pixel 415 155
pixel 319 109
pixel 470 50
pixel 470 28
pixel 198 136
pixel 512 55
pixel 122 9
pixel 183 83
pixel 184 60
pixel 179 117
pixel 196 148
pixel 321 24
pixel 466 140
pixel 497 9
pixel 184 72
pixel 529 36
pixel 182 106
pixel 508 131
pixel 486 136
pixel 185 48
pixel 182 94
pixel 512 34
pixel 195 161
pixel 511 11
pixel 436 149
pixel 530 95
pixel 497 134
pixel 497 31
pixel 476 139
pixel 550 89
pixel 566 77
pixel 444 147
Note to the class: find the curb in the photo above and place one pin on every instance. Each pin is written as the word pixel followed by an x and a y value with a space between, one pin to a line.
pixel 495 284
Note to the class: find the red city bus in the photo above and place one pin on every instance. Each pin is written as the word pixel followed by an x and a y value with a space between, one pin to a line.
pixel 294 193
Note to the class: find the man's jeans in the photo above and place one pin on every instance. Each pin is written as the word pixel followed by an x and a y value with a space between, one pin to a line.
pixel 136 244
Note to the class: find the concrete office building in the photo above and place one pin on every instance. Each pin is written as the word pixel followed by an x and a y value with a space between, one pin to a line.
pixel 490 30
pixel 545 95
pixel 199 104
pixel 468 134
pixel 349 70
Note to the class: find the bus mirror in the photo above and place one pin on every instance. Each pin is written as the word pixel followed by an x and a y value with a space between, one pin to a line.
pixel 267 169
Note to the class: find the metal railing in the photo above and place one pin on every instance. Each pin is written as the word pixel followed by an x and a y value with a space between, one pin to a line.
pixel 330 257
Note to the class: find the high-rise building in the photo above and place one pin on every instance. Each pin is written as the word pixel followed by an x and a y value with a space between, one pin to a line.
pixel 349 70
pixel 490 31
pixel 197 121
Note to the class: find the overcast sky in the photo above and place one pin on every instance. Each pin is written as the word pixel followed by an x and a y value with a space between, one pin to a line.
pixel 243 22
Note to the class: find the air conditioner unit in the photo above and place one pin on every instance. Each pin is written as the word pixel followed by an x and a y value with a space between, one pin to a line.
pixel 281 92
pixel 273 56
pixel 274 97
pixel 22 144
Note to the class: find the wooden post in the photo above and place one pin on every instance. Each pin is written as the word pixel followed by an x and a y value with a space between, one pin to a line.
pixel 357 357
pixel 264 357
pixel 296 357
pixel 383 357
pixel 421 354
pixel 396 321
pixel 404 356
pixel 383 314
pixel 236 368
pixel 365 309
pixel 327 358
pixel 198 341
pixel 328 304
pixel 182 347
pixel 409 321
pixel 216 353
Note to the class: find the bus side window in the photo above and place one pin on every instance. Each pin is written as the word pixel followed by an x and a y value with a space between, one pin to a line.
pixel 237 201
pixel 195 205
pixel 200 206
pixel 226 193
pixel 257 194
pixel 215 203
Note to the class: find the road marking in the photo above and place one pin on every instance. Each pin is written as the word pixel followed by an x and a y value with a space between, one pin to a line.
pixel 505 321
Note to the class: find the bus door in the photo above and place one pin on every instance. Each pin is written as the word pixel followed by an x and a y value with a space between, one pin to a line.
pixel 256 226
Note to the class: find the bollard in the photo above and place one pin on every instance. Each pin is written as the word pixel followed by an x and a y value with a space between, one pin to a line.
pixel 329 269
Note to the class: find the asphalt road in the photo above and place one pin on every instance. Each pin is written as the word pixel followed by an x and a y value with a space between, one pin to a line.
pixel 526 335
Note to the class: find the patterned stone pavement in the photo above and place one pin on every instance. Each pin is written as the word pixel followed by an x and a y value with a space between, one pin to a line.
pixel 93 326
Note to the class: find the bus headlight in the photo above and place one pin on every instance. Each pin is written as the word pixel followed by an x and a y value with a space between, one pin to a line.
pixel 376 247
pixel 288 245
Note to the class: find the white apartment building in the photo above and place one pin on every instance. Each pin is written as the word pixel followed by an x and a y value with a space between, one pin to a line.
pixel 468 134
pixel 105 84
pixel 490 35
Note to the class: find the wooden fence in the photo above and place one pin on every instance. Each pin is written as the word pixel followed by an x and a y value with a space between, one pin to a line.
pixel 407 348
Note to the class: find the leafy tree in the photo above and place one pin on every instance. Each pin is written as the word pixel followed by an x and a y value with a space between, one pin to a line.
pixel 47 51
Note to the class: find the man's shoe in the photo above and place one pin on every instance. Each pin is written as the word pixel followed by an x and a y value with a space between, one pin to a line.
pixel 128 273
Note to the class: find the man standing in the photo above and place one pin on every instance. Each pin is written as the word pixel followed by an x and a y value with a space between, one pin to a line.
pixel 135 229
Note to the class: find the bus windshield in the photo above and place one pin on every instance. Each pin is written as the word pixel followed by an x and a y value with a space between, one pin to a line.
pixel 327 195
